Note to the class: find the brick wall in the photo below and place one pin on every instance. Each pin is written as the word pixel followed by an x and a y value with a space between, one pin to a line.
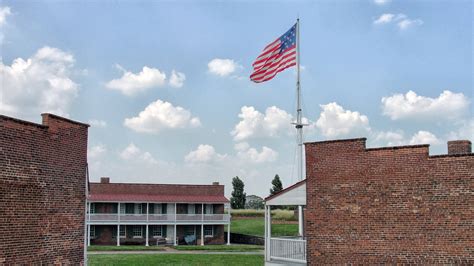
pixel 388 205
pixel 42 191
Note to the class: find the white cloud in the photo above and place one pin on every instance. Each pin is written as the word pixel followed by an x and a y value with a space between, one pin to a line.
pixel 133 153
pixel 390 138
pixel 130 83
pixel 447 105
pixel 203 154
pixel 253 123
pixel 177 79
pixel 222 67
pixel 384 18
pixel 41 83
pixel 382 2
pixel 5 11
pixel 160 115
pixel 98 123
pixel 424 137
pixel 248 154
pixel 465 131
pixel 96 151
pixel 402 21
pixel 407 23
pixel 334 121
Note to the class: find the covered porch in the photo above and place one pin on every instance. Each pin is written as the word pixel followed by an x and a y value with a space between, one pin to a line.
pixel 289 250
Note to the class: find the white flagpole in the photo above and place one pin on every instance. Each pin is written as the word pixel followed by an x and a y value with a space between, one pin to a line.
pixel 299 125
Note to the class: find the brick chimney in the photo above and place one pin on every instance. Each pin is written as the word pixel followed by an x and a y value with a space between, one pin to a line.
pixel 459 147
pixel 215 183
pixel 105 180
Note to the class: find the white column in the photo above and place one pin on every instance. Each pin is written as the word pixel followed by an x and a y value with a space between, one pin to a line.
pixel 300 220
pixel 175 233
pixel 265 234
pixel 146 233
pixel 269 231
pixel 118 224
pixel 202 234
pixel 88 235
pixel 228 233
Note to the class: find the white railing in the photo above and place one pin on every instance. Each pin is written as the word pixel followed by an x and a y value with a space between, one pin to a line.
pixel 113 217
pixel 288 249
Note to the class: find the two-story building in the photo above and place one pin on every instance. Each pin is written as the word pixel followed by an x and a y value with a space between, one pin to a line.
pixel 151 214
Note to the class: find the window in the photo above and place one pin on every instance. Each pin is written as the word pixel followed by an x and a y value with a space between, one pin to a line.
pixel 157 230
pixel 157 208
pixel 137 231
pixel 122 208
pixel 191 209
pixel 190 230
pixel 138 208
pixel 208 231
pixel 92 208
pixel 123 231
pixel 114 233
pixel 209 209
pixel 92 231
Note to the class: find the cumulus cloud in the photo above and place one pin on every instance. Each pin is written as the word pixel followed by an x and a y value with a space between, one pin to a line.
pixel 203 154
pixel 465 131
pixel 131 84
pixel 222 67
pixel 132 152
pixel 41 83
pixel 98 123
pixel 160 115
pixel 424 137
pixel 390 138
pixel 447 105
pixel 335 121
pixel 246 153
pixel 381 2
pixel 177 79
pixel 402 21
pixel 96 151
pixel 5 11
pixel 253 123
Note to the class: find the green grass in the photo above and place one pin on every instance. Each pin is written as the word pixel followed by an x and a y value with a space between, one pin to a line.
pixel 123 248
pixel 175 259
pixel 282 215
pixel 256 227
pixel 236 248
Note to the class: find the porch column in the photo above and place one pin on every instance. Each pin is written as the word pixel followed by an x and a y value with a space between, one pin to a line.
pixel 300 220
pixel 269 231
pixel 88 235
pixel 202 234
pixel 265 233
pixel 175 233
pixel 118 224
pixel 228 233
pixel 146 233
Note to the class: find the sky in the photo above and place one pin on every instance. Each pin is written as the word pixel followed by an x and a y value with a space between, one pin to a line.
pixel 165 85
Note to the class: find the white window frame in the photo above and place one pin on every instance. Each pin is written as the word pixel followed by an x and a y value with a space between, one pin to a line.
pixel 194 230
pixel 155 228
pixel 135 230
pixel 124 231
pixel 138 209
pixel 92 232
pixel 122 208
pixel 212 231
pixel 193 208
pixel 209 209
pixel 92 208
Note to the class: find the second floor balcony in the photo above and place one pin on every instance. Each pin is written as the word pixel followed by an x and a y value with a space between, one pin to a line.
pixel 152 218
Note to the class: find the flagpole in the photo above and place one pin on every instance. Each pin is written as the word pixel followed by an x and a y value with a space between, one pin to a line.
pixel 299 125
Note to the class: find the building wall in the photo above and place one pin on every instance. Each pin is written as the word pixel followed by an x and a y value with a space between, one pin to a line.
pixel 42 191
pixel 388 205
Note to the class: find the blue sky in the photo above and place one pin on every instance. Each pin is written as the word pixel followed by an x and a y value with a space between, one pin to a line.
pixel 165 85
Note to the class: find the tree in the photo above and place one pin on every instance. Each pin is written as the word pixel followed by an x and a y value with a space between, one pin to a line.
pixel 237 201
pixel 277 185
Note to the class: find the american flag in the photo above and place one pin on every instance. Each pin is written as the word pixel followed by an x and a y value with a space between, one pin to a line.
pixel 276 57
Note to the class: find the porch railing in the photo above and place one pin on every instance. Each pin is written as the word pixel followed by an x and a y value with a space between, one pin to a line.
pixel 113 217
pixel 288 249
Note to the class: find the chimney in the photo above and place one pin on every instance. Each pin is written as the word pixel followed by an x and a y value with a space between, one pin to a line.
pixel 457 147
pixel 105 180
pixel 215 183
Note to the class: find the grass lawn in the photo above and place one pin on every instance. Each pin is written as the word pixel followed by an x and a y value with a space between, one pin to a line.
pixel 256 227
pixel 235 248
pixel 123 248
pixel 176 259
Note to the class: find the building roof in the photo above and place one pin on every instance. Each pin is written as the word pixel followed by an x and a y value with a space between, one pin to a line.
pixel 298 184
pixel 131 192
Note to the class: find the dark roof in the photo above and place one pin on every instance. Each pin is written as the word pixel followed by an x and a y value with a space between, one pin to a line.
pixel 157 193
pixel 286 189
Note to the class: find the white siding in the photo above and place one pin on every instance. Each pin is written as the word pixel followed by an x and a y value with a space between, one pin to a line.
pixel 296 196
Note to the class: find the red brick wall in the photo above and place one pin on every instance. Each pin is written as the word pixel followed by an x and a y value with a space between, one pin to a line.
pixel 388 205
pixel 42 191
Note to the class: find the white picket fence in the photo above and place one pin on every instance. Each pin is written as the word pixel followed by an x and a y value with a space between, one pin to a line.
pixel 288 249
